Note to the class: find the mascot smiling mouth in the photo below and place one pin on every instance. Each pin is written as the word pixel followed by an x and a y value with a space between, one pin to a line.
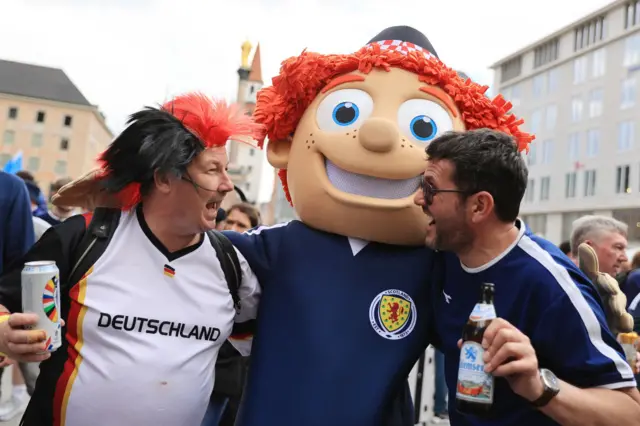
pixel 370 186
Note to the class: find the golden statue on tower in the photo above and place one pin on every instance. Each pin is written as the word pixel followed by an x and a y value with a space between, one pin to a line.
pixel 246 51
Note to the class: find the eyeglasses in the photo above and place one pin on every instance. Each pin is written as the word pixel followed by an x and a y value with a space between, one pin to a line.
pixel 428 191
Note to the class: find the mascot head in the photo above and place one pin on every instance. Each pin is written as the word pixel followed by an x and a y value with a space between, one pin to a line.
pixel 348 132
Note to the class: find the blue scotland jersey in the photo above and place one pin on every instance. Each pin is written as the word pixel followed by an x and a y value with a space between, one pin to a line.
pixel 341 323
pixel 542 293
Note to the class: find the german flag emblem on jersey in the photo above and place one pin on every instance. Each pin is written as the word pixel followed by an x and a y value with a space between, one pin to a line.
pixel 169 271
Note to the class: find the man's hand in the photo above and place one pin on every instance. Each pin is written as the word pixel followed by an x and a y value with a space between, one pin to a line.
pixel 509 354
pixel 20 344
pixel 85 192
pixel 6 361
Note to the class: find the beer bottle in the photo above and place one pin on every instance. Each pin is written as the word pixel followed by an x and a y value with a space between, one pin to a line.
pixel 474 391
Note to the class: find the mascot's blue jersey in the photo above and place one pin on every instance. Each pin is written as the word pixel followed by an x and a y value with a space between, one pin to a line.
pixel 340 325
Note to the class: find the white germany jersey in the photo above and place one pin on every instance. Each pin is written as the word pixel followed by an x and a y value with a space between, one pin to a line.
pixel 144 331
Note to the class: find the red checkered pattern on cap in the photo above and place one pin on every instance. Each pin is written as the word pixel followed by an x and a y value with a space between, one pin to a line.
pixel 403 47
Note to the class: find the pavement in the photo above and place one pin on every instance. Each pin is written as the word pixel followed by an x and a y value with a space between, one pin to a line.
pixel 5 393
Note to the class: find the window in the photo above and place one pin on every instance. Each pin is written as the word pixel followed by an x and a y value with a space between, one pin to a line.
pixel 552 117
pixel 622 180
pixel 64 144
pixel 589 183
pixel 537 223
pixel 511 69
pixel 13 113
pixel 529 193
pixel 628 95
pixel 545 53
pixel 593 143
pixel 538 85
pixel 40 117
pixel 580 68
pixel 547 151
pixel 9 137
pixel 570 185
pixel 60 168
pixel 552 80
pixel 536 121
pixel 599 63
pixel 36 140
pixel 33 165
pixel 68 120
pixel 595 102
pixel 247 186
pixel 589 33
pixel 574 146
pixel 632 51
pixel 4 159
pixel 252 151
pixel 576 109
pixel 515 95
pixel 632 14
pixel 545 184
pixel 626 135
pixel 531 156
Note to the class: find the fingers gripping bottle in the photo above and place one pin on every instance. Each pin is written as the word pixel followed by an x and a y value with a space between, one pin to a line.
pixel 474 391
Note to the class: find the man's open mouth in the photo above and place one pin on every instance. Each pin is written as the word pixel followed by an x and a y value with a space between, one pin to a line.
pixel 369 186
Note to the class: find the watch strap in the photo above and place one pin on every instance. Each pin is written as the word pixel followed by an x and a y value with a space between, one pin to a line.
pixel 547 394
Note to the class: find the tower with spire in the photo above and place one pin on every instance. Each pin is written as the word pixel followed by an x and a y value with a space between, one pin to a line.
pixel 245 162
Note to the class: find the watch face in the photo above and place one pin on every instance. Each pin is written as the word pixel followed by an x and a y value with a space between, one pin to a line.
pixel 550 379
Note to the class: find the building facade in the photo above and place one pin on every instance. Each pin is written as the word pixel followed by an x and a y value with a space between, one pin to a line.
pixel 246 161
pixel 45 117
pixel 577 90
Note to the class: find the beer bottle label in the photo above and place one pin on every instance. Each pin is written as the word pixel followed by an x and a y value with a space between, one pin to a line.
pixel 474 384
pixel 482 312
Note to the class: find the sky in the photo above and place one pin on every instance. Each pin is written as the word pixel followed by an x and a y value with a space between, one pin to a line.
pixel 125 54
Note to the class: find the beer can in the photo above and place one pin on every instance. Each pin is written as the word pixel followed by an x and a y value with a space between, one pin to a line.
pixel 41 296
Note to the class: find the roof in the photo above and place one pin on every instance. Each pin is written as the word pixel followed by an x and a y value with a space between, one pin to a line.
pixel 39 82
pixel 256 67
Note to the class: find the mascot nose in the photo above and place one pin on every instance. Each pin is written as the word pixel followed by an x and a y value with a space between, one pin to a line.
pixel 378 135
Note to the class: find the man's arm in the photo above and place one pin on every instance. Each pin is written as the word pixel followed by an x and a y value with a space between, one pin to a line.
pixel 584 407
pixel 244 328
pixel 19 227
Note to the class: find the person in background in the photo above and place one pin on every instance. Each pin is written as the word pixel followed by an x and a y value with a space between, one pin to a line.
pixel 608 238
pixel 630 284
pixel 565 247
pixel 16 238
pixel 41 202
pixel 56 214
pixel 440 406
pixel 241 217
pixel 39 225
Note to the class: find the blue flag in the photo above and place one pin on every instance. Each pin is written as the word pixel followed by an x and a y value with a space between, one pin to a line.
pixel 14 165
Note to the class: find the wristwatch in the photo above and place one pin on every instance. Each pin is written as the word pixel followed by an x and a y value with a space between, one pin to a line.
pixel 551 388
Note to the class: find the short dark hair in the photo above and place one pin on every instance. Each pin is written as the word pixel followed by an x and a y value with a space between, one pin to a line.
pixel 252 213
pixel 485 160
pixel 26 176
pixel 58 184
pixel 565 246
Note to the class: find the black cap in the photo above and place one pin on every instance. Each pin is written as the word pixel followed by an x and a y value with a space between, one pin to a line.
pixel 408 34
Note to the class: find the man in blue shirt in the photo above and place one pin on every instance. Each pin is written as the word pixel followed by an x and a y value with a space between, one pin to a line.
pixel 16 226
pixel 549 314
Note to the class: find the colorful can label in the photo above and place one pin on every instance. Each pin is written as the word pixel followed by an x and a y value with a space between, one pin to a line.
pixel 41 296
pixel 473 383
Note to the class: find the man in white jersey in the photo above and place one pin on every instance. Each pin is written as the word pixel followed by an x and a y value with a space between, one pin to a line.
pixel 144 324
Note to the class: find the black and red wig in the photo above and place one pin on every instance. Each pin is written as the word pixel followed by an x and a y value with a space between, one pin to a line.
pixel 167 139
pixel 281 106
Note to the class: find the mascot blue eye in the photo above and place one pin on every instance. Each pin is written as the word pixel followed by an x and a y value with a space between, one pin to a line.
pixel 345 113
pixel 422 120
pixel 423 128
pixel 344 110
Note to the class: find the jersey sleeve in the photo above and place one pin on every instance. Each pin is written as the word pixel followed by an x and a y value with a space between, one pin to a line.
pixel 19 232
pixel 249 292
pixel 259 246
pixel 572 338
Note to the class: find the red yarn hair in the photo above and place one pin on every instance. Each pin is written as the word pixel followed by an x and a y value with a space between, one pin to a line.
pixel 280 107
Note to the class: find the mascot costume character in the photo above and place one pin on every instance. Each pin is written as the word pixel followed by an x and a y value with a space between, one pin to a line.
pixel 345 309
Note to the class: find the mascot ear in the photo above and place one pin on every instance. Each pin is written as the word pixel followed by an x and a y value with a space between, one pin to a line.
pixel 278 152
